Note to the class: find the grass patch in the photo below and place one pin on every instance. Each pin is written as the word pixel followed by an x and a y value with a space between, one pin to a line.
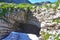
pixel 57 37
pixel 5 7
pixel 56 20
pixel 47 35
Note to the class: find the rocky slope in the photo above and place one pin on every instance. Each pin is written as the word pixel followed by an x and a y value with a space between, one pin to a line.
pixel 50 24
pixel 42 17
pixel 46 17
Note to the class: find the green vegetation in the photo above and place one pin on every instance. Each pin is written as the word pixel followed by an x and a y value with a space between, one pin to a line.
pixel 57 37
pixel 46 36
pixel 50 6
pixel 9 5
pixel 24 5
pixel 56 20
pixel 4 7
pixel 57 4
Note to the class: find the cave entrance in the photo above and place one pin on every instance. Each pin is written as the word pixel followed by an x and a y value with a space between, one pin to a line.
pixel 27 28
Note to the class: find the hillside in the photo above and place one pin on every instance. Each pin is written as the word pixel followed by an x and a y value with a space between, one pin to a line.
pixel 46 17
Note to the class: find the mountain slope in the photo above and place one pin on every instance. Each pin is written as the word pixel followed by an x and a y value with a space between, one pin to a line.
pixel 15 1
pixel 41 3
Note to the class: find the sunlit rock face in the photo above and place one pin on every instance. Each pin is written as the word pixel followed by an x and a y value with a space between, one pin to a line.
pixel 47 15
pixel 16 1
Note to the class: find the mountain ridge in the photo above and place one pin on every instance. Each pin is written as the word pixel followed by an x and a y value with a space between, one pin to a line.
pixel 16 1
pixel 47 2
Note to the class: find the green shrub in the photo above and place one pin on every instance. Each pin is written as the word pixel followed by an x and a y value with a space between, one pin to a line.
pixel 56 20
pixel 47 35
pixel 12 6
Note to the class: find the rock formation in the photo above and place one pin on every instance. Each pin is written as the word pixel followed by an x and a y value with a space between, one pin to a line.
pixel 39 17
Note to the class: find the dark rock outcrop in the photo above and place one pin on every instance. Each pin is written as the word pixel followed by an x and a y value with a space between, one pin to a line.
pixel 27 28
